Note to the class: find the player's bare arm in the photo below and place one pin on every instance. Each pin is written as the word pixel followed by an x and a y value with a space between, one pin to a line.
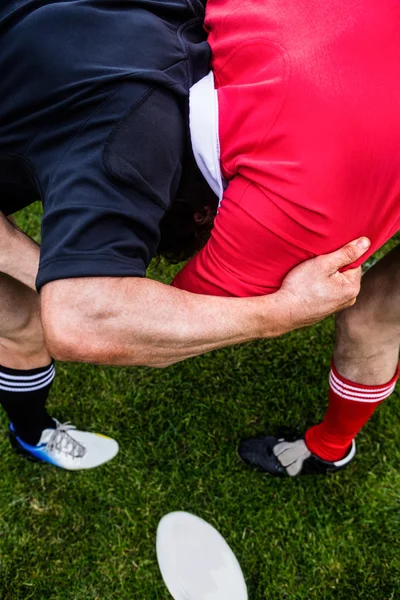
pixel 134 321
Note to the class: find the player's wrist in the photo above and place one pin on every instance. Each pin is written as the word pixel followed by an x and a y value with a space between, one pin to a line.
pixel 274 315
pixel 294 312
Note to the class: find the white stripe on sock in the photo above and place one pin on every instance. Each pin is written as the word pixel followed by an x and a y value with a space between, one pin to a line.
pixel 350 388
pixel 24 383
pixel 360 397
pixel 377 394
pixel 27 387
pixel 26 377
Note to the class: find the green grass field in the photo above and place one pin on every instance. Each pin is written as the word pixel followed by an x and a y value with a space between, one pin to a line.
pixel 91 535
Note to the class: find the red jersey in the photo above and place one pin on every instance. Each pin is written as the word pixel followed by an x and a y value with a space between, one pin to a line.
pixel 309 132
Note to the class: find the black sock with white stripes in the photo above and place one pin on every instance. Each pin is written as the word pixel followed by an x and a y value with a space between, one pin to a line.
pixel 23 395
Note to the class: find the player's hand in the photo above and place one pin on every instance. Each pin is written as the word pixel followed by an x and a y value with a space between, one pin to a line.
pixel 315 289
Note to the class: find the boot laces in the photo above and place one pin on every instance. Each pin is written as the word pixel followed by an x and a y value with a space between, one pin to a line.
pixel 61 441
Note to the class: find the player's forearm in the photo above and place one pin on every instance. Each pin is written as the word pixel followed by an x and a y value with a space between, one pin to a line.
pixel 132 321
pixel 142 322
pixel 19 254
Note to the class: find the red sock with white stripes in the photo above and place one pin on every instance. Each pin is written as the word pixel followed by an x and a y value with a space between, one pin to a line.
pixel 350 407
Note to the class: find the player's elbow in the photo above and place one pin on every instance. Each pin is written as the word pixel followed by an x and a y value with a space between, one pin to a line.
pixel 64 348
pixel 80 327
pixel 82 324
pixel 65 339
pixel 89 344
pixel 74 330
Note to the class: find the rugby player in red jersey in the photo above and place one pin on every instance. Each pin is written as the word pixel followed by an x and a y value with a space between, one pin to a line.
pixel 93 123
pixel 297 131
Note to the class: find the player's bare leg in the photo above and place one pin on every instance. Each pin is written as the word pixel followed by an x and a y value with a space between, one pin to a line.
pixel 365 360
pixel 21 335
pixel 19 254
pixel 368 334
pixel 364 373
pixel 27 370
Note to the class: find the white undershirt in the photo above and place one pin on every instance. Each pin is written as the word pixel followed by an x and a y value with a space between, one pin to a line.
pixel 203 122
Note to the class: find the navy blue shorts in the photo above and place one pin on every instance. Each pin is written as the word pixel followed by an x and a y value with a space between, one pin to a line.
pixel 93 100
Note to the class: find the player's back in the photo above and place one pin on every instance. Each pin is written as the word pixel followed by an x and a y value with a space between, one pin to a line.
pixel 57 55
pixel 309 135
pixel 64 66
pixel 309 112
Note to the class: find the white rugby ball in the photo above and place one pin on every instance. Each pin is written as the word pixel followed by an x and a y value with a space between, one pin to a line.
pixel 196 562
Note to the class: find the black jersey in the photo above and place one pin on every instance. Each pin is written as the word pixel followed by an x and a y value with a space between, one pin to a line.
pixel 93 100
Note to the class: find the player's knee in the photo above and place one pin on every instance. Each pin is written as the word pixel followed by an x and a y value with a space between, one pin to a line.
pixel 354 325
